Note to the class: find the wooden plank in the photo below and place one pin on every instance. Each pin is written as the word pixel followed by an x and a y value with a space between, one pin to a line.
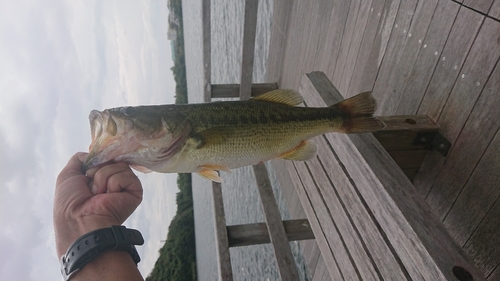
pixel 495 10
pixel 336 242
pixel 354 45
pixel 282 10
pixel 480 62
pixel 312 36
pixel 207 50
pixel 322 29
pixel 334 34
pixel 482 6
pixel 362 61
pixel 321 274
pixel 479 192
pixel 233 90
pixel 457 47
pixel 257 233
pixel 495 275
pixel 221 239
pixel 379 46
pixel 486 255
pixel 311 254
pixel 347 36
pixel 277 234
pixel 433 44
pixel 293 46
pixel 366 245
pixel 455 52
pixel 417 237
pixel 412 40
pixel 320 231
pixel 249 29
pixel 393 64
pixel 406 132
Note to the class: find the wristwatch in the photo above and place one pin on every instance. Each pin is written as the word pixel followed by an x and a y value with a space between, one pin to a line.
pixel 96 242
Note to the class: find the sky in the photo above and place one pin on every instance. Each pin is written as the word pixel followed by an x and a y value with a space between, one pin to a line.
pixel 58 61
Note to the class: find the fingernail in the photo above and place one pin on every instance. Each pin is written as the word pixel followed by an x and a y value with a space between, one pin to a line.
pixel 94 189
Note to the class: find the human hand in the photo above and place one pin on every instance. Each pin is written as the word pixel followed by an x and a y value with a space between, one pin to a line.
pixel 104 197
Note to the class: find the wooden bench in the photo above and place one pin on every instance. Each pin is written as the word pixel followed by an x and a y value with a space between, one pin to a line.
pixel 367 218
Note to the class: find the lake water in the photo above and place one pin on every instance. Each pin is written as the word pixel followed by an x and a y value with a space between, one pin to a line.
pixel 241 200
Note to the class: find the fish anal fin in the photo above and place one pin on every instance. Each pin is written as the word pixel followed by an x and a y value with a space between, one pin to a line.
pixel 304 151
pixel 283 96
pixel 141 169
pixel 209 172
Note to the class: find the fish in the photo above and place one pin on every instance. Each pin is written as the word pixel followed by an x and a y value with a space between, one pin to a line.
pixel 207 138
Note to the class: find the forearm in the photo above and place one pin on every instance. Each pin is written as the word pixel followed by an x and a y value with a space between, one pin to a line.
pixel 111 265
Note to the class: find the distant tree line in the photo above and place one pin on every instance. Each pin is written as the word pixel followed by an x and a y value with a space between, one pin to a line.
pixel 179 68
pixel 177 260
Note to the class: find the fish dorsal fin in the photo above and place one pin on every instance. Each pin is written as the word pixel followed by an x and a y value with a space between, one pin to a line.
pixel 304 151
pixel 283 96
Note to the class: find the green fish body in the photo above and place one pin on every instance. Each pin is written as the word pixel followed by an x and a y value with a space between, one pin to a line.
pixel 206 138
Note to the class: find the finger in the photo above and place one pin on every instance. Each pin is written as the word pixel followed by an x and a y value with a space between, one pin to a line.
pixel 124 181
pixel 105 173
pixel 72 168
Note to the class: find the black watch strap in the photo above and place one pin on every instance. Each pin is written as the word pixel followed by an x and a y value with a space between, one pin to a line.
pixel 94 243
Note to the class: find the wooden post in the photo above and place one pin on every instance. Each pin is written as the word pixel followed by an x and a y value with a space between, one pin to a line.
pixel 233 90
pixel 277 234
pixel 249 28
pixel 207 51
pixel 257 233
pixel 221 239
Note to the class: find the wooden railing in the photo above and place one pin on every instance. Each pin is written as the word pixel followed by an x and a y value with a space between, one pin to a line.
pixel 274 230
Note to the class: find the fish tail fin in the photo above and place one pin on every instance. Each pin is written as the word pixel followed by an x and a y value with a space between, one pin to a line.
pixel 359 111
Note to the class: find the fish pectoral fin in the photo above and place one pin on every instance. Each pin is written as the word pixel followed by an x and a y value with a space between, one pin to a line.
pixel 210 172
pixel 283 96
pixel 304 151
pixel 141 169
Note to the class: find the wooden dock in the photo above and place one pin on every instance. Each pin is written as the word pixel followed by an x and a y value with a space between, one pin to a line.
pixel 372 217
pixel 438 58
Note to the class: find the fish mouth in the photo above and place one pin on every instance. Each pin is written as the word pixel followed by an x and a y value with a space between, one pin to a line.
pixel 103 130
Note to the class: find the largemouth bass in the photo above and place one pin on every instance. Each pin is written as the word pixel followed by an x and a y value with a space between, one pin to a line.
pixel 219 136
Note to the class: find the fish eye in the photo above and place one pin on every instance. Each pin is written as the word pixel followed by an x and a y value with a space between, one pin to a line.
pixel 127 111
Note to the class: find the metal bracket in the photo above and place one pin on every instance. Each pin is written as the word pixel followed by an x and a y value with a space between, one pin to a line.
pixel 441 144
pixel 433 141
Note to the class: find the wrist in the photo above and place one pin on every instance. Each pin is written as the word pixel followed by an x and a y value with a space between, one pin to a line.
pixel 74 229
pixel 95 243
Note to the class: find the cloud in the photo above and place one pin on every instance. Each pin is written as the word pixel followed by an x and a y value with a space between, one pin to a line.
pixel 58 61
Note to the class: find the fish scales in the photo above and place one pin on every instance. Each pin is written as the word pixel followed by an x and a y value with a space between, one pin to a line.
pixel 210 137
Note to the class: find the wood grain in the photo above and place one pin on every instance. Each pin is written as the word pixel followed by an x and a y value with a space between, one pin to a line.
pixel 416 236
pixel 395 60
pixel 319 233
pixel 221 239
pixel 474 160
pixel 423 68
pixel 482 6
pixel 486 255
pixel 276 230
pixel 257 233
pixel 233 90
pixel 455 52
pixel 495 10
pixel 249 29
pixel 480 62
pixel 364 59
